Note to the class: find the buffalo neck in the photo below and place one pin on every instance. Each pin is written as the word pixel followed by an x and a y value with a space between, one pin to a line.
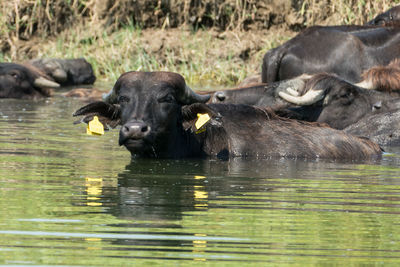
pixel 183 144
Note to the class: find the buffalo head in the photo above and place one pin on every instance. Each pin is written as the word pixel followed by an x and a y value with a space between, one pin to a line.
pixel 260 95
pixel 338 102
pixel 390 16
pixel 147 105
pixel 66 71
pixel 19 81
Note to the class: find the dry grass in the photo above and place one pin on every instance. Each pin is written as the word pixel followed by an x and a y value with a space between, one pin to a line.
pixel 342 11
pixel 202 57
pixel 210 41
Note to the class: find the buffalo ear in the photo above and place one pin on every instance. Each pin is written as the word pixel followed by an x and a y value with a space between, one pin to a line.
pixel 108 114
pixel 191 113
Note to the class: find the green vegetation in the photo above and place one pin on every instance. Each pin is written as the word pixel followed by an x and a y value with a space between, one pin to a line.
pixel 208 43
pixel 194 55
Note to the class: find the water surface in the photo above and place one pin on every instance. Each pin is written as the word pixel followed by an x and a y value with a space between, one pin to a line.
pixel 67 198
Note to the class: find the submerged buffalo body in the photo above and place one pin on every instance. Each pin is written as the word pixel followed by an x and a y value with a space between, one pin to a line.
pixel 343 105
pixel 383 128
pixel 20 81
pixel 66 71
pixel 159 117
pixel 321 97
pixel 328 99
pixel 346 51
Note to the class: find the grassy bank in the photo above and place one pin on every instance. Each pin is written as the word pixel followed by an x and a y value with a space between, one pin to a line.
pixel 208 44
pixel 204 57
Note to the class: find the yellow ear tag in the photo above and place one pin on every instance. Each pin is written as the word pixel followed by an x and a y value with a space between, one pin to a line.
pixel 202 119
pixel 95 127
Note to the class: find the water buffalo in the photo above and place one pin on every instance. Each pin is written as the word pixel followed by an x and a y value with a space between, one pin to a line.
pixel 159 117
pixel 387 17
pixel 266 95
pixel 261 95
pixel 381 78
pixel 344 50
pixel 66 71
pixel 333 101
pixel 19 81
pixel 340 103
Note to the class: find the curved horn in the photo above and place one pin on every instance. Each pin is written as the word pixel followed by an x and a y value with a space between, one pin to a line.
pixel 59 75
pixel 110 97
pixel 218 97
pixel 293 85
pixel 311 97
pixel 366 84
pixel 189 97
pixel 44 83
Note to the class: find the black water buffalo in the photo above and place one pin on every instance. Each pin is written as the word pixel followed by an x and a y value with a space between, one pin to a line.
pixel 340 103
pixel 381 78
pixel 260 95
pixel 332 100
pixel 159 117
pixel 344 50
pixel 19 81
pixel 267 95
pixel 387 17
pixel 66 71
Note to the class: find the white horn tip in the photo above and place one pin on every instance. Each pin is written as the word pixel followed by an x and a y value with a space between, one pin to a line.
pixel 60 75
pixel 292 91
pixel 366 84
pixel 44 83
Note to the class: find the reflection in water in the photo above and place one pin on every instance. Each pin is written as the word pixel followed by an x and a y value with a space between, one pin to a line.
pixel 71 199
pixel 155 191
pixel 94 190
pixel 200 195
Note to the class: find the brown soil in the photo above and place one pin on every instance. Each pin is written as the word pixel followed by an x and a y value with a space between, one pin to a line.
pixel 25 19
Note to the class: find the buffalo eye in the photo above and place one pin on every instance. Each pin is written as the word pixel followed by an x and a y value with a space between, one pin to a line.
pixel 166 99
pixel 123 99
pixel 346 98
pixel 15 75
pixel 220 96
pixel 346 94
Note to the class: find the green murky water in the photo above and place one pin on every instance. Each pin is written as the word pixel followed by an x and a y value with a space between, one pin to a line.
pixel 71 199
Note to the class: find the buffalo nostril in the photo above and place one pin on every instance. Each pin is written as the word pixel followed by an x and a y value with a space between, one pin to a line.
pixel 144 128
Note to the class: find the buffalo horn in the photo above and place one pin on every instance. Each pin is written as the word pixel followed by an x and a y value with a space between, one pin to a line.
pixel 366 84
pixel 189 97
pixel 110 97
pixel 311 97
pixel 60 75
pixel 44 83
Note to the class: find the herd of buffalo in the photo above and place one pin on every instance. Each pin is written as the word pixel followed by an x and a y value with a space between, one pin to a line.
pixel 329 92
